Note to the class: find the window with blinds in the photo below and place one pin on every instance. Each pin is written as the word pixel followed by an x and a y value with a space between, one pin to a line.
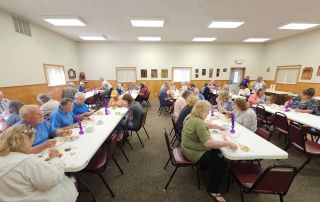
pixel 54 74
pixel 288 74
pixel 126 74
pixel 181 74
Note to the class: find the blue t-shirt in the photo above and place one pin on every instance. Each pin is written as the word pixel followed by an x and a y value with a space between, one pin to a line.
pixel 201 97
pixel 80 109
pixel 42 132
pixel 163 95
pixel 13 118
pixel 60 119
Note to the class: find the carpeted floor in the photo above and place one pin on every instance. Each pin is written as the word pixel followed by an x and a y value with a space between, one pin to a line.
pixel 144 177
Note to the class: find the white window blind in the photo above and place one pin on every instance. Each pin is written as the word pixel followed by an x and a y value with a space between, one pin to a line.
pixel 181 74
pixel 287 76
pixel 126 74
pixel 55 75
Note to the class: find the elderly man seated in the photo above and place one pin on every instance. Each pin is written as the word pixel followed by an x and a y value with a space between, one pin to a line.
pixel 48 105
pixel 80 108
pixel 69 91
pixel 31 116
pixel 63 116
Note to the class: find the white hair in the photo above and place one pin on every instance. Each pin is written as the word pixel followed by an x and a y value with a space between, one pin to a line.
pixel 26 110
pixel 79 95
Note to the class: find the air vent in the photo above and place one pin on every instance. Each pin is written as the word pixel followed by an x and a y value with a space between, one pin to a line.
pixel 21 26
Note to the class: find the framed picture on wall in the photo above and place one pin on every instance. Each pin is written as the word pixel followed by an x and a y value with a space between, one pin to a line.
pixel 210 73
pixel 306 73
pixel 203 72
pixel 318 73
pixel 225 70
pixel 154 73
pixel 218 72
pixel 196 76
pixel 196 71
pixel 72 73
pixel 144 73
pixel 164 73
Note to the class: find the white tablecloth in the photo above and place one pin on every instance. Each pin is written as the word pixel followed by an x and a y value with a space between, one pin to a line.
pixel 303 118
pixel 133 93
pixel 85 146
pixel 235 96
pixel 91 93
pixel 277 92
pixel 259 148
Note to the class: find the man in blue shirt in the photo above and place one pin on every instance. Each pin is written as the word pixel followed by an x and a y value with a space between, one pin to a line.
pixel 80 108
pixel 165 99
pixel 63 116
pixel 31 115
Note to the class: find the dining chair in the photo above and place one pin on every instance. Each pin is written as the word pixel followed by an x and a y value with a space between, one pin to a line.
pixel 123 138
pixel 177 160
pixel 281 125
pixel 298 139
pixel 176 136
pixel 263 133
pixel 142 122
pixel 252 178
pixel 262 118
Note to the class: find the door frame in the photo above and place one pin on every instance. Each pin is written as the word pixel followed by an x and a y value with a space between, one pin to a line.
pixel 244 72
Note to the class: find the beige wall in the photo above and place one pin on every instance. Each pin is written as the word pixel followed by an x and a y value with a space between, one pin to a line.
pixel 22 57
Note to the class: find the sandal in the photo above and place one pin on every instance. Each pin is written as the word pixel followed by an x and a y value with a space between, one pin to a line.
pixel 217 197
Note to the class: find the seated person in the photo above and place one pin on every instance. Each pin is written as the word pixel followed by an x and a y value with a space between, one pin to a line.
pixel 63 117
pixel 196 92
pixel 207 93
pixel 69 91
pixel 48 105
pixel 304 103
pixel 26 177
pixel 104 84
pixel 202 89
pixel 244 90
pixel 191 101
pixel 143 93
pixel 199 147
pixel 121 88
pixel 31 115
pixel 165 99
pixel 180 103
pixel 257 97
pixel 224 102
pixel 116 100
pixel 3 103
pixel 244 115
pixel 13 108
pixel 81 87
pixel 80 108
pixel 259 83
pixel 135 111
pixel 134 86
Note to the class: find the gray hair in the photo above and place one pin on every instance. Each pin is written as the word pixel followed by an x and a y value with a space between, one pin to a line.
pixel 42 97
pixel 185 94
pixel 14 106
pixel 79 95
pixel 65 101
pixel 101 78
pixel 25 110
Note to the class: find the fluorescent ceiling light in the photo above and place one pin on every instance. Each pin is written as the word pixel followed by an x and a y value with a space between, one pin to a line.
pixel 204 39
pixel 298 26
pixel 147 22
pixel 149 38
pixel 256 39
pixel 224 24
pixel 64 21
pixel 93 38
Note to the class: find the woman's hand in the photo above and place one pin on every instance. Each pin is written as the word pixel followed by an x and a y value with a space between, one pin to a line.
pixel 232 146
pixel 50 143
pixel 53 153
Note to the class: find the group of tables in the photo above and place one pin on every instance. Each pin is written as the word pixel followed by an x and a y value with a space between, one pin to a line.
pixel 89 94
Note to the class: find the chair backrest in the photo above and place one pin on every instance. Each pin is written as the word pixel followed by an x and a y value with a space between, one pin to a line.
pixel 275 179
pixel 169 147
pixel 96 97
pixel 263 133
pixel 281 122
pixel 125 130
pixel 111 147
pixel 173 123
pixel 144 118
pixel 261 114
pixel 148 95
pixel 297 135
pixel 161 104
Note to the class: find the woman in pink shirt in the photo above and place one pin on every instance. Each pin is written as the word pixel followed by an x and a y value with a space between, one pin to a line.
pixel 180 103
pixel 255 98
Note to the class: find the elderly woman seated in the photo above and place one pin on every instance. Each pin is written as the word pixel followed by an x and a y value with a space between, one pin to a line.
pixel 26 177
pixel 304 102
pixel 180 103
pixel 48 105
pixel 257 97
pixel 224 102
pixel 245 115
pixel 116 100
pixel 13 108
pixel 199 147
pixel 80 108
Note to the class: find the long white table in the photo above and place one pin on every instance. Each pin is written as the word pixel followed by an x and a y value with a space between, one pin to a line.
pixel 134 93
pixel 303 118
pixel 277 92
pixel 83 147
pixel 235 96
pixel 91 93
pixel 259 148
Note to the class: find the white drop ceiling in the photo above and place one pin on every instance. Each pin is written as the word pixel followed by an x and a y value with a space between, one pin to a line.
pixel 184 19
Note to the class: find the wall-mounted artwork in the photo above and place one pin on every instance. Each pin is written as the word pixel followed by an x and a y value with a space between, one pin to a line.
pixel 218 72
pixel 318 73
pixel 210 73
pixel 154 73
pixel 203 72
pixel 72 74
pixel 196 71
pixel 196 76
pixel 225 70
pixel 164 73
pixel 268 69
pixel 306 73
pixel 144 73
